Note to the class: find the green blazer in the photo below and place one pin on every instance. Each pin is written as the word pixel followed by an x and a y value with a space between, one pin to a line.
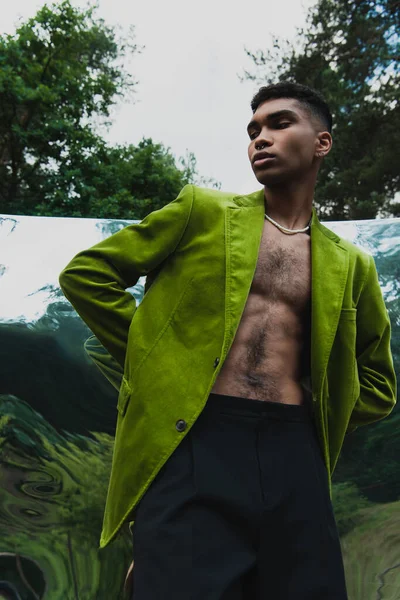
pixel 200 252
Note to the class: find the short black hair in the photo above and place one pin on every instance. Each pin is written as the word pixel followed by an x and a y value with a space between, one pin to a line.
pixel 311 100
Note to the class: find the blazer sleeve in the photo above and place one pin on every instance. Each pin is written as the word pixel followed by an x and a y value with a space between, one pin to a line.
pixel 374 358
pixel 103 360
pixel 96 279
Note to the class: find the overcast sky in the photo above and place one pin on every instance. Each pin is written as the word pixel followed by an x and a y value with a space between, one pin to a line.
pixel 189 96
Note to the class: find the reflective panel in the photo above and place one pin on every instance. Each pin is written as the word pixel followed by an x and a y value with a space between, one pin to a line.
pixel 58 419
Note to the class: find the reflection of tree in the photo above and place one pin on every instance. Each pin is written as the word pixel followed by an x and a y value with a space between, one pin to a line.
pixel 59 380
pixel 67 515
pixel 7 225
pixel 47 445
pixel 370 455
pixel 109 227
pixel 348 503
pixel 381 239
pixel 24 578
pixel 8 591
pixel 388 267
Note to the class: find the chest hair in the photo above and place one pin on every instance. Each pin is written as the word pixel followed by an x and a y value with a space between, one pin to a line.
pixel 283 273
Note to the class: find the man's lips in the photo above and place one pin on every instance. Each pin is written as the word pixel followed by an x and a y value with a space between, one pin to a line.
pixel 262 158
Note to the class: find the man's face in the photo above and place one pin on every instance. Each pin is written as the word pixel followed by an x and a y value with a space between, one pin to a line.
pixel 289 136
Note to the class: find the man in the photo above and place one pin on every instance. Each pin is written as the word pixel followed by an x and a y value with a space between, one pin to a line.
pixel 262 340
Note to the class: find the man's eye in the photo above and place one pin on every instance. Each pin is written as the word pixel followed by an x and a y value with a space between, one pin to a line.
pixel 279 124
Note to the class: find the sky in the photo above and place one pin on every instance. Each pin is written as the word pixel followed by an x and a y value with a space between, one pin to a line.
pixel 189 96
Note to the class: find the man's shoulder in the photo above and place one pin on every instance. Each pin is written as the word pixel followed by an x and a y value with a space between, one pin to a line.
pixel 211 199
pixel 203 193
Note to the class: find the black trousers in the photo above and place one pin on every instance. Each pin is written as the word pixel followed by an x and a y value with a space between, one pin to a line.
pixel 240 511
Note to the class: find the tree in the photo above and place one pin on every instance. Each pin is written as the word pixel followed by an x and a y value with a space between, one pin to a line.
pixel 58 73
pixel 122 182
pixel 350 52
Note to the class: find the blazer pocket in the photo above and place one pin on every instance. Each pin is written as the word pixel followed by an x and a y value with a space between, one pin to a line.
pixel 124 396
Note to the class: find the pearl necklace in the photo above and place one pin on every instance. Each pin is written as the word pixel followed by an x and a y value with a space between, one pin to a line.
pixel 285 229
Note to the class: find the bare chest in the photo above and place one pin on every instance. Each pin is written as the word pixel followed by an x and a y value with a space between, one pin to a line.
pixel 283 271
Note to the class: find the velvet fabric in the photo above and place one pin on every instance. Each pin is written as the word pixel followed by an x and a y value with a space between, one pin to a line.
pixel 200 253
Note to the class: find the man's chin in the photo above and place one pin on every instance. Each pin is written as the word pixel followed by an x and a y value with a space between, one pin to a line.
pixel 267 178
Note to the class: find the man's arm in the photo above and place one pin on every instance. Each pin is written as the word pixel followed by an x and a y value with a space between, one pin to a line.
pixel 103 360
pixel 96 279
pixel 374 358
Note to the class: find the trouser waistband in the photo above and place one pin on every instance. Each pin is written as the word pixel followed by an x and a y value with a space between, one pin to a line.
pixel 248 406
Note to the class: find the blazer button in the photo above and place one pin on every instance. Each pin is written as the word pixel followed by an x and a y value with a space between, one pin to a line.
pixel 216 362
pixel 181 425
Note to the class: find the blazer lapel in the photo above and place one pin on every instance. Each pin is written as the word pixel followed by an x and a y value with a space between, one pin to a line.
pixel 243 230
pixel 329 267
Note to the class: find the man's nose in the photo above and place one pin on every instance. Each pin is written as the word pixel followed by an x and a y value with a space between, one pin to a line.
pixel 264 138
pixel 263 142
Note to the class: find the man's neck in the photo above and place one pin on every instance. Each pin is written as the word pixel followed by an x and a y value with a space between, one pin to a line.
pixel 290 208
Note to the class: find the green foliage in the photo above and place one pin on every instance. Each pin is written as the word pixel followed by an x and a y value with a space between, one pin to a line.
pixel 370 455
pixel 371 460
pixel 118 182
pixel 61 478
pixel 133 181
pixel 348 503
pixel 350 52
pixel 121 182
pixel 82 507
pixel 60 74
